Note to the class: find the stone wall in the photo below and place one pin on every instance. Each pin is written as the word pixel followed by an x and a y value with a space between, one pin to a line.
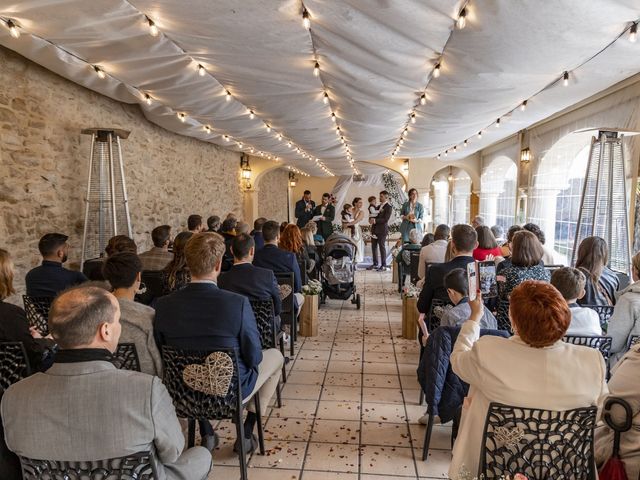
pixel 44 162
pixel 272 195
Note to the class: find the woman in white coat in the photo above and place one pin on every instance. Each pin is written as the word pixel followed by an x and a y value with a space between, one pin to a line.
pixel 533 369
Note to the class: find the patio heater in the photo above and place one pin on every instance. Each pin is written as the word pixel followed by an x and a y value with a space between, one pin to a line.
pixel 106 206
pixel 603 206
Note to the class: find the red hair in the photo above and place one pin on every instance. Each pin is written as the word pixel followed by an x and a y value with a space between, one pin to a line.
pixel 539 313
pixel 291 239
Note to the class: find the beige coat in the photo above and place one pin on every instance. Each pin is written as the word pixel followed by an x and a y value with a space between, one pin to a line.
pixel 559 377
pixel 624 384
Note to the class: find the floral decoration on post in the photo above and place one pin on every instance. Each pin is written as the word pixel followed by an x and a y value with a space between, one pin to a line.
pixel 314 287
pixel 410 291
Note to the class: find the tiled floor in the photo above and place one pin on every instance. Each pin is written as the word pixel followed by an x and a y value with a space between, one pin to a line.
pixel 350 404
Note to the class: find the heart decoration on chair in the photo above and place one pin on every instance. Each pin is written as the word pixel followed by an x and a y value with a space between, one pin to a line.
pixel 212 378
pixel 285 291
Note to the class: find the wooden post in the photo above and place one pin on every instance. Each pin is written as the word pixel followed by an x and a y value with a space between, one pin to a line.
pixel 410 316
pixel 394 272
pixel 309 316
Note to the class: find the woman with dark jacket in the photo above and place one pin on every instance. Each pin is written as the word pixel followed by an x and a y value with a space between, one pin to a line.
pixel 525 263
pixel 602 282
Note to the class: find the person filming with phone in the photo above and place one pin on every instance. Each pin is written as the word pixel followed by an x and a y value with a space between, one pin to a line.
pixel 457 284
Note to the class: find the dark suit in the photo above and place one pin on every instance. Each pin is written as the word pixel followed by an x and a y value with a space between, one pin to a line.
pixel 50 278
pixel 227 259
pixel 253 282
pixel 258 239
pixel 279 261
pixel 302 214
pixel 325 227
pixel 434 281
pixel 201 316
pixel 380 230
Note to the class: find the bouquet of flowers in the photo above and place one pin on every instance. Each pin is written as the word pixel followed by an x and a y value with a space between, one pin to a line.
pixel 410 291
pixel 314 287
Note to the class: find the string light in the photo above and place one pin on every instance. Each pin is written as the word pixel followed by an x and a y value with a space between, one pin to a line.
pixel 148 99
pixel 462 18
pixel 306 21
pixel 13 29
pixel 240 145
pixel 423 99
pixel 325 98
pixel 316 70
pixel 565 78
pixel 480 134
pixel 498 123
pixel 455 148
pixel 446 153
pixel 438 156
pixel 226 138
pixel 289 144
pixel 523 106
pixel 201 71
pixel 182 117
pixel 279 136
pixel 207 128
pixel 466 143
pixel 252 115
pixel 436 70
pixel 100 72
pixel 413 117
pixel 153 29
pixel 268 128
pixel 633 33
pixel 333 117
pixel 228 96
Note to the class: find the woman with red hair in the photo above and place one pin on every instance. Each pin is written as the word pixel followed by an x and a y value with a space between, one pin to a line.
pixel 533 369
pixel 291 241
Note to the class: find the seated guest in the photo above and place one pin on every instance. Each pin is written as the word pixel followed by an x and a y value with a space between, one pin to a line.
pixel 477 221
pixel 283 225
pixel 434 252
pixel 118 243
pixel 176 275
pixel 506 247
pixel 487 244
pixel 244 278
pixel 498 233
pixel 291 241
pixel 84 408
pixel 602 283
pixel 548 258
pixel 525 263
pixel 427 239
pixel 242 227
pixel 194 224
pixel 51 277
pixel 14 326
pixel 623 384
pixel 213 223
pixel 203 317
pixel 277 260
pixel 124 272
pixel 570 283
pixel 317 238
pixel 625 320
pixel 532 369
pixel 464 240
pixel 457 286
pixel 228 232
pixel 159 256
pixel 404 255
pixel 309 242
pixel 257 232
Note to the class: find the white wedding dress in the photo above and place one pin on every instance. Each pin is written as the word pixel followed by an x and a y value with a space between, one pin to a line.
pixel 358 239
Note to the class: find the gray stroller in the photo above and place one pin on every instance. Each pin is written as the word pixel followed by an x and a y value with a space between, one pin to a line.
pixel 338 269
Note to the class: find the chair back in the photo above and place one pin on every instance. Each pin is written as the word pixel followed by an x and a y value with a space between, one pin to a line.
pixel 126 357
pixel 538 443
pixel 288 309
pixel 139 466
pixel 14 364
pixel 603 344
pixel 502 315
pixel 37 311
pixel 304 276
pixel 414 259
pixel 633 340
pixel 604 312
pixel 552 268
pixel 196 404
pixel 266 320
pixel 152 280
pixel 618 428
pixel 435 313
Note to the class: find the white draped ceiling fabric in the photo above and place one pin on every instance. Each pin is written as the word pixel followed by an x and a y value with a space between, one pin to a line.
pixel 375 60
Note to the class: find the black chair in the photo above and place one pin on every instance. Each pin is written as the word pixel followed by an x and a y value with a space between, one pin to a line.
pixel 14 364
pixel 502 315
pixel 137 466
pixel 538 443
pixel 618 428
pixel 604 312
pixel 603 344
pixel 304 275
pixel 414 257
pixel 197 405
pixel 126 357
pixel 152 281
pixel 92 269
pixel 435 313
pixel 633 339
pixel 288 312
pixel 269 336
pixel 37 311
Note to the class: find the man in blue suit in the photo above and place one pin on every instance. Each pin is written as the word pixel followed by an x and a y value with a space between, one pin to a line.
pixel 253 282
pixel 203 317
pixel 256 233
pixel 278 260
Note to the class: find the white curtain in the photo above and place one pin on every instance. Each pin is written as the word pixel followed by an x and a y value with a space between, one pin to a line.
pixel 346 182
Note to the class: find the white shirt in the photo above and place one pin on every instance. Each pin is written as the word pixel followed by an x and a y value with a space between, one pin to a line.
pixel 433 253
pixel 584 321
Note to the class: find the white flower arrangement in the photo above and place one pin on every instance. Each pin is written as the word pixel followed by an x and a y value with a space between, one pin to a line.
pixel 314 287
pixel 464 474
pixel 410 291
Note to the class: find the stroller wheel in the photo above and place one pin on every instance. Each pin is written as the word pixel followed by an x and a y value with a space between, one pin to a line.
pixel 358 301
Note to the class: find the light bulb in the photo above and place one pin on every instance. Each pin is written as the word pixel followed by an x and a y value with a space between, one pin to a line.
pixel 423 99
pixel 462 18
pixel 401 142
pixel 279 136
pixel 446 153
pixel 466 143
pixel 404 133
pixel 565 78
pixel 633 33
pixel 289 144
pixel 100 72
pixel 13 29
pixel 252 115
pixel 498 123
pixel 228 96
pixel 268 128
pixel 182 117
pixel 325 98
pixel 455 148
pixel 240 145
pixel 413 117
pixel 153 29
pixel 148 99
pixel 316 69
pixel 436 70
pixel 523 106
pixel 480 134
pixel 306 21
pixel 201 71
pixel 207 128
pixel 333 117
pixel 438 158
pixel 226 138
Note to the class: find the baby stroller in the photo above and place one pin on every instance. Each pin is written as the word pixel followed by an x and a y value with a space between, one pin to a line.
pixel 338 270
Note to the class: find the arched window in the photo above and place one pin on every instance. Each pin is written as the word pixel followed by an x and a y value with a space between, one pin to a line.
pixel 460 197
pixel 451 191
pixel 440 193
pixel 498 192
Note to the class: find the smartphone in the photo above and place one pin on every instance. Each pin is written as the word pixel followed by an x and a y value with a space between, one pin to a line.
pixel 472 280
pixel 487 279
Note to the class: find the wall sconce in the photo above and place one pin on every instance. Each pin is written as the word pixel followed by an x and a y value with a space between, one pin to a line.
pixel 246 171
pixel 405 166
pixel 525 155
pixel 293 181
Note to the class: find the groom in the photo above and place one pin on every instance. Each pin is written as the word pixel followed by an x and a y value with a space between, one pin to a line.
pixel 326 213
pixel 380 230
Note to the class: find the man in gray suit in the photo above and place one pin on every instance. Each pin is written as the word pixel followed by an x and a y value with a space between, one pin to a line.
pixel 84 409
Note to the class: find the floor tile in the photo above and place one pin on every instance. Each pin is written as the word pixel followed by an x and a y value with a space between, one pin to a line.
pixel 387 460
pixel 381 395
pixel 290 429
pixel 346 394
pixel 381 381
pixel 305 378
pixel 343 379
pixel 293 391
pixel 340 366
pixel 280 454
pixel 296 409
pixel 338 410
pixel 332 457
pixel 436 466
pixel 383 412
pixel 336 431
pixel 385 434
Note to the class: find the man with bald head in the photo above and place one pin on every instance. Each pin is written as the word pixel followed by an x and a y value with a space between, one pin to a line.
pixel 84 409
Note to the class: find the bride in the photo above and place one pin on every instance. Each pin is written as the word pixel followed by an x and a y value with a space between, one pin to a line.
pixel 358 216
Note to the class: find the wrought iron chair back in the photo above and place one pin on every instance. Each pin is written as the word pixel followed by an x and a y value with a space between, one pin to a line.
pixel 288 311
pixel 435 313
pixel 126 357
pixel 414 257
pixel 538 443
pixel 14 364
pixel 152 280
pixel 265 318
pixel 502 315
pixel 138 466
pixel 604 312
pixel 603 344
pixel 633 340
pixel 37 310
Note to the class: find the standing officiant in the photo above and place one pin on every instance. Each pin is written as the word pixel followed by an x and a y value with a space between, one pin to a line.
pixel 412 213
pixel 304 209
pixel 324 215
